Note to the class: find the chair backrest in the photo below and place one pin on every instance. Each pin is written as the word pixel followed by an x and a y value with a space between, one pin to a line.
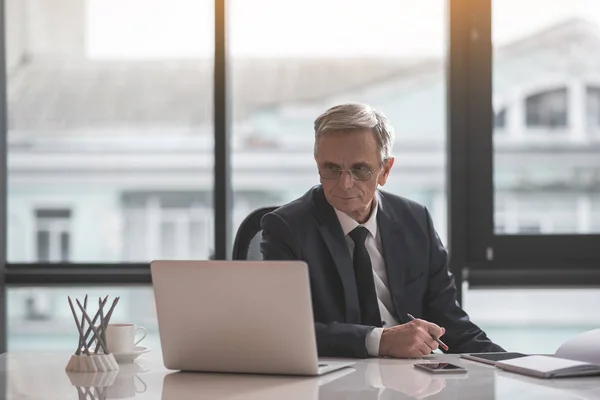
pixel 247 238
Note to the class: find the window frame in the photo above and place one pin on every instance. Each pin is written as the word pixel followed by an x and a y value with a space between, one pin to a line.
pixel 500 260
pixel 126 272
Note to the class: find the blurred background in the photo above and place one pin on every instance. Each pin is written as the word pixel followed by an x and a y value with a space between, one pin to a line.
pixel 110 140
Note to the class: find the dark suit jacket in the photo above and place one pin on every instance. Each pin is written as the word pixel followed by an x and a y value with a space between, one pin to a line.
pixel 415 259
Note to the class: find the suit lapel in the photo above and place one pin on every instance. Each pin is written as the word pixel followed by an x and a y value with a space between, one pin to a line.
pixel 331 231
pixel 395 250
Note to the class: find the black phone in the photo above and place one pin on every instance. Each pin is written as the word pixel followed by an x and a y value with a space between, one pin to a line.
pixel 441 368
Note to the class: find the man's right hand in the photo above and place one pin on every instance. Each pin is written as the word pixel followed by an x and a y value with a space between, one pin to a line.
pixel 410 340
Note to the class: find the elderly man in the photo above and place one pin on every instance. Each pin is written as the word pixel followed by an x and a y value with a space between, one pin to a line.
pixel 375 259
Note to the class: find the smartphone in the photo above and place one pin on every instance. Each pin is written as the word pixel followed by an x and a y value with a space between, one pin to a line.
pixel 441 368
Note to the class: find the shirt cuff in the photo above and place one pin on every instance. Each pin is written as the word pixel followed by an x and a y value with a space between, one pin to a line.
pixel 372 341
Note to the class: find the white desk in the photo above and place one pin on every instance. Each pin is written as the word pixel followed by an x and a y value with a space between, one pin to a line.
pixel 43 376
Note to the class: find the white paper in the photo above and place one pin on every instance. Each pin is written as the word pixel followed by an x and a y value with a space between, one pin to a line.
pixel 583 347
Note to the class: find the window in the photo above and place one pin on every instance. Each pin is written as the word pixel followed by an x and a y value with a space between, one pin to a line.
pixel 525 319
pixel 550 182
pixel 110 111
pixel 500 119
pixel 547 109
pixel 53 235
pixel 593 108
pixel 281 82
pixel 109 97
pixel 168 225
pixel 529 227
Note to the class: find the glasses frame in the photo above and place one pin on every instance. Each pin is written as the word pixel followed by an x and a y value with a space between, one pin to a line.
pixel 349 170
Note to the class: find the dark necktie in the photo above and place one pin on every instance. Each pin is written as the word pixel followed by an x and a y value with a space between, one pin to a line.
pixel 363 272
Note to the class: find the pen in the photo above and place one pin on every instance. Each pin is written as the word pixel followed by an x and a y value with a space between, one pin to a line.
pixel 442 344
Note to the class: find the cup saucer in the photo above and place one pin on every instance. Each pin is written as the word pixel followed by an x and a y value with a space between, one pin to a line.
pixel 128 357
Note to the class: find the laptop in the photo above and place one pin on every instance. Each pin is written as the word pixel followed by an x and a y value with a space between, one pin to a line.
pixel 237 316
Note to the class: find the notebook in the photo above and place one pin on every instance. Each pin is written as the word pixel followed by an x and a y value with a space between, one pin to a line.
pixel 579 356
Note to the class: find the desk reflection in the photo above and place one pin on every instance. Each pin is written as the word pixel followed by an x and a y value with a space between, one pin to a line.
pixel 122 384
pixel 375 379
pixel 193 385
pixel 384 379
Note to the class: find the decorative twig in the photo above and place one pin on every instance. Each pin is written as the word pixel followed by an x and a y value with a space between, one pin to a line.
pixel 87 317
pixel 106 319
pixel 77 323
pixel 91 341
pixel 102 331
pixel 96 317
pixel 78 352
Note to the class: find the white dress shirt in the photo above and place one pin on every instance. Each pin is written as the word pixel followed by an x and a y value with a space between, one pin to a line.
pixel 374 247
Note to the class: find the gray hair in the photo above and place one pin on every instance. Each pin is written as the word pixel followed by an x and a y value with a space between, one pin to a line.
pixel 353 117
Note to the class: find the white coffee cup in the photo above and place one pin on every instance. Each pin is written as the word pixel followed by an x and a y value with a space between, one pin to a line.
pixel 120 338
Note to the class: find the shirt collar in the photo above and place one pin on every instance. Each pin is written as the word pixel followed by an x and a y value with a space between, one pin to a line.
pixel 348 224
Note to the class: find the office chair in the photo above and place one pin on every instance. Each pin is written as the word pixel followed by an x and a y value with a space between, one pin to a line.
pixel 247 238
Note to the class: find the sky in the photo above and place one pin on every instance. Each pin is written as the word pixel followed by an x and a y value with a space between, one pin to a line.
pixel 146 29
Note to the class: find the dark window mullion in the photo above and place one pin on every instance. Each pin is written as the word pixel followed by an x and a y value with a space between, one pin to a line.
pixel 222 173
pixel 3 178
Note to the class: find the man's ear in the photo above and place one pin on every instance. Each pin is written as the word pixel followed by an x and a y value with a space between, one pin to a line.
pixel 386 169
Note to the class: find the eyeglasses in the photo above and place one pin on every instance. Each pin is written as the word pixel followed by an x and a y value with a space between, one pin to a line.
pixel 360 173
